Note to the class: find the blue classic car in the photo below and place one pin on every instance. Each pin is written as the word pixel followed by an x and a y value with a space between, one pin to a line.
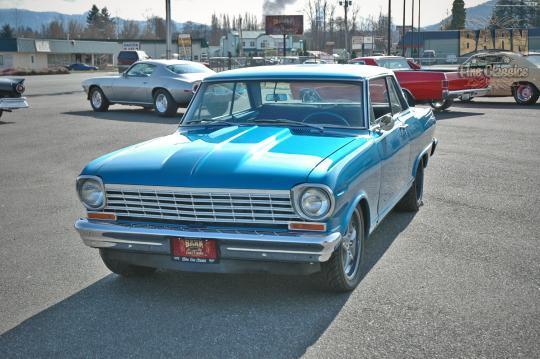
pixel 283 169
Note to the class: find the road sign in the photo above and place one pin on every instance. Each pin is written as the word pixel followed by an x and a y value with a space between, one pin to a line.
pixel 356 42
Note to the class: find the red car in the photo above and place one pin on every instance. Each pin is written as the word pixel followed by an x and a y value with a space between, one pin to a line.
pixel 439 89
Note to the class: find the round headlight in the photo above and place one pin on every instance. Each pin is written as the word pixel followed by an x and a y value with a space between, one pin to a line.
pixel 91 193
pixel 315 203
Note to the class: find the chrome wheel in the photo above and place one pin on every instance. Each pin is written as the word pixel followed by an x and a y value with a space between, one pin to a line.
pixel 161 103
pixel 97 99
pixel 351 250
pixel 524 93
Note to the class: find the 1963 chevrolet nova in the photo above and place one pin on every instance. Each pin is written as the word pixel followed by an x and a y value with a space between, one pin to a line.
pixel 283 169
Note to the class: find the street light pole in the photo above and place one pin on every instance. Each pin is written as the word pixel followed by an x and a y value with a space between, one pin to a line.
pixel 168 25
pixel 389 26
pixel 346 5
pixel 412 30
pixel 419 30
pixel 403 30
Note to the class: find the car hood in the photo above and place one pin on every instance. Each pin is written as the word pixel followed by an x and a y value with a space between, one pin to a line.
pixel 232 157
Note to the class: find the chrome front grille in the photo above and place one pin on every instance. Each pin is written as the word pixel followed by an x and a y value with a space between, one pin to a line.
pixel 201 204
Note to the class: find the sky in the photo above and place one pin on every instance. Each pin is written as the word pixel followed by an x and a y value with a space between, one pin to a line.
pixel 432 11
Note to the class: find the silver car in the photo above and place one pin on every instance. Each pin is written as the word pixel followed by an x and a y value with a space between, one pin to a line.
pixel 162 84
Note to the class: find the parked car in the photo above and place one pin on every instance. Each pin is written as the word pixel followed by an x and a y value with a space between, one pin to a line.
pixel 81 67
pixel 315 61
pixel 428 57
pixel 290 60
pixel 509 73
pixel 162 84
pixel 11 98
pixel 437 88
pixel 451 59
pixel 273 169
pixel 127 58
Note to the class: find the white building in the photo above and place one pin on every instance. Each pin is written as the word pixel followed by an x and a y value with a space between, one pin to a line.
pixel 257 43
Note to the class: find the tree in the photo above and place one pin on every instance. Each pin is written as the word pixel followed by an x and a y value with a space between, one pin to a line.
pixel 54 30
pixel 130 30
pixel 155 28
pixel 508 14
pixel 93 15
pixel 7 32
pixel 75 29
pixel 459 15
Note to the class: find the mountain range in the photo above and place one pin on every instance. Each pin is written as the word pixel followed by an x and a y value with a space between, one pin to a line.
pixel 477 17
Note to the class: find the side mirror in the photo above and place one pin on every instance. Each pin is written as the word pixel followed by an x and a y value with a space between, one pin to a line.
pixel 386 122
pixel 124 74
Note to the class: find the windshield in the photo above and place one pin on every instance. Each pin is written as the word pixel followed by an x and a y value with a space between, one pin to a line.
pixel 188 68
pixel 535 59
pixel 394 63
pixel 308 103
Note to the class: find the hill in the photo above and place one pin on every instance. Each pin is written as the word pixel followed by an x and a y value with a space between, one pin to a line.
pixel 477 17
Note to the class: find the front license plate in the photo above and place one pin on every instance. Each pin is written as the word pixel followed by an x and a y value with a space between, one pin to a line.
pixel 194 250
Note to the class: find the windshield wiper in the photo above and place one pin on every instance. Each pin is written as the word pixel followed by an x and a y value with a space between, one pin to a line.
pixel 288 122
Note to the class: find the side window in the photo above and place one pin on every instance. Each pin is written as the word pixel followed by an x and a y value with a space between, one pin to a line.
pixel 380 103
pixel 141 70
pixel 395 99
pixel 241 98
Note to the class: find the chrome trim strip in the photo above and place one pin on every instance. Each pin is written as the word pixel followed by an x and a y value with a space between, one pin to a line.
pixel 119 187
pixel 270 251
pixel 133 242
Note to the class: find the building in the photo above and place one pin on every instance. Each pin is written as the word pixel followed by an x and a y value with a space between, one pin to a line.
pixel 38 54
pixel 257 43
pixel 460 45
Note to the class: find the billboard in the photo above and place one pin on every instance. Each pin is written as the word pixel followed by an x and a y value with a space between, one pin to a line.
pixel 284 24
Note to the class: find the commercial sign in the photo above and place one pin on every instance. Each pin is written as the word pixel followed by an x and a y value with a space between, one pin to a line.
pixel 356 42
pixel 284 24
pixel 42 46
pixel 515 40
pixel 184 46
pixel 131 45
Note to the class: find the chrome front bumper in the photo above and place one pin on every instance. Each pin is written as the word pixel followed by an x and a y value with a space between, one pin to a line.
pixel 469 93
pixel 13 103
pixel 232 244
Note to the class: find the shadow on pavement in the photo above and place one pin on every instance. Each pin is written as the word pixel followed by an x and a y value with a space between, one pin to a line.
pixel 190 315
pixel 481 104
pixel 128 115
pixel 448 115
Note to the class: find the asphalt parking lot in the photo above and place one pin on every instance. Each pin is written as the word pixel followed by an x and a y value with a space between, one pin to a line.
pixel 461 278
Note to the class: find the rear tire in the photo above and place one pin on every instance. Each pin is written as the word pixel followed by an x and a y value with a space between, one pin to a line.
pixel 343 271
pixel 412 201
pixel 125 269
pixel 525 94
pixel 98 101
pixel 164 103
pixel 442 105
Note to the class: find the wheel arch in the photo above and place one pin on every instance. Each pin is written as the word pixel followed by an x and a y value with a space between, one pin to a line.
pixel 516 83
pixel 360 202
pixel 157 88
pixel 93 86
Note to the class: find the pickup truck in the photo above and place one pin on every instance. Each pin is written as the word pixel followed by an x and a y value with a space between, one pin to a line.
pixel 437 88
pixel 11 91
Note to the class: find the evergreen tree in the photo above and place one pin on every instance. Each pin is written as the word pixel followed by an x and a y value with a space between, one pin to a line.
pixel 93 15
pixel 6 32
pixel 459 15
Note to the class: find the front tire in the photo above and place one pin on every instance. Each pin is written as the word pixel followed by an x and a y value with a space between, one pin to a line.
pixel 164 103
pixel 412 201
pixel 441 105
pixel 98 101
pixel 525 94
pixel 124 269
pixel 343 271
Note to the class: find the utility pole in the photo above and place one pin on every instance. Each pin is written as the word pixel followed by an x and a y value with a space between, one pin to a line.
pixel 389 26
pixel 346 5
pixel 419 31
pixel 412 30
pixel 403 30
pixel 168 25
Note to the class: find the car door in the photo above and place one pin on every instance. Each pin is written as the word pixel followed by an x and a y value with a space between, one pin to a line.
pixel 392 144
pixel 133 86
